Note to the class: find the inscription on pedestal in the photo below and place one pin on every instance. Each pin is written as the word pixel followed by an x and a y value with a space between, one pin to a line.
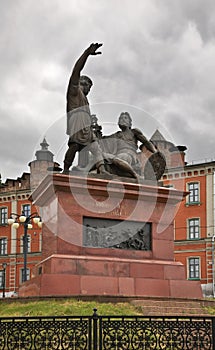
pixel 119 234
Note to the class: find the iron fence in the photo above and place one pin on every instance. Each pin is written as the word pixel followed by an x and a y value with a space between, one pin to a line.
pixel 107 333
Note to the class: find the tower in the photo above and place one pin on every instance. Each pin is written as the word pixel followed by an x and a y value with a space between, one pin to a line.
pixel 174 155
pixel 39 166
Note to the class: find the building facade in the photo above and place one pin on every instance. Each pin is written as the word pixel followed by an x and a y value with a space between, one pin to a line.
pixel 195 215
pixel 194 221
pixel 14 198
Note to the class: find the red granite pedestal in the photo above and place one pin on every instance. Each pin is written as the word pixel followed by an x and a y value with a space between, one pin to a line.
pixel 70 268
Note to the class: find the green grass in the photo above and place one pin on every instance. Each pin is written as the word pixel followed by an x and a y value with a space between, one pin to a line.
pixel 67 307
pixel 210 310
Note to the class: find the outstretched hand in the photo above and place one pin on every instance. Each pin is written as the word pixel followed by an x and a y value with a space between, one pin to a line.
pixel 92 49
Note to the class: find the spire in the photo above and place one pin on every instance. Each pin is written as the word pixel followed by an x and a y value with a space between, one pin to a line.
pixel 44 153
pixel 44 145
pixel 157 136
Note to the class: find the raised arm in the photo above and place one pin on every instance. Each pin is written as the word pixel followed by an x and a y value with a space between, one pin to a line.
pixel 79 65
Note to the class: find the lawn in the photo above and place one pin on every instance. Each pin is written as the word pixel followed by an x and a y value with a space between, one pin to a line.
pixel 116 334
pixel 64 307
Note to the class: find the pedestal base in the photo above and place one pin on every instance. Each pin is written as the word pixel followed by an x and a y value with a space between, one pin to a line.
pixel 79 253
pixel 83 275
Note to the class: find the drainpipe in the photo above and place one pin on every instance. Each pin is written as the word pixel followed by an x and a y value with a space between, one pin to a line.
pixel 213 289
pixel 212 241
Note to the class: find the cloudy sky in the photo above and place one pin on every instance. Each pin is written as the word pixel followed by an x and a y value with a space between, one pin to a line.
pixel 157 62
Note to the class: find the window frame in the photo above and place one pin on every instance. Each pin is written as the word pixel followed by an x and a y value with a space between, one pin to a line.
pixel 192 197
pixel 195 227
pixel 3 246
pixel 28 274
pixel 195 277
pixel 26 209
pixel 3 215
pixel 1 278
pixel 28 244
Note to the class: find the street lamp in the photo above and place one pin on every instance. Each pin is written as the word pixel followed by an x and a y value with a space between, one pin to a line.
pixel 15 220
pixel 4 265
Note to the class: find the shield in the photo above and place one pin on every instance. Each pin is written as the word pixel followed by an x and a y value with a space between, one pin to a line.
pixel 155 167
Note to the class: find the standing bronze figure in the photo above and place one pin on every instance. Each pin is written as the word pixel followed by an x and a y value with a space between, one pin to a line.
pixel 78 114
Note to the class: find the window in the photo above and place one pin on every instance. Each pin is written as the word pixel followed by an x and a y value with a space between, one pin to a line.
pixel 26 208
pixel 22 275
pixel 28 245
pixel 193 229
pixel 1 278
pixel 193 188
pixel 194 271
pixel 3 216
pixel 3 246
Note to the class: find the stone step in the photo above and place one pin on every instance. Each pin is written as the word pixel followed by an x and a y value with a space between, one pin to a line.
pixel 151 307
pixel 167 303
pixel 173 311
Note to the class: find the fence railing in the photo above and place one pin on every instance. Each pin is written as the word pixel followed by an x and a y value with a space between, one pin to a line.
pixel 107 333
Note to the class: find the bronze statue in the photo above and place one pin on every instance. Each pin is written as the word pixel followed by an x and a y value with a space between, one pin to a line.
pixel 78 114
pixel 120 148
pixel 116 153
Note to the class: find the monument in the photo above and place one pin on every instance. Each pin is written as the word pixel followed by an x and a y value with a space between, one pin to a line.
pixel 108 222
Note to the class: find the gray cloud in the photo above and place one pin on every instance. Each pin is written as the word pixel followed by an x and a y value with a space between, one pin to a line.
pixel 157 56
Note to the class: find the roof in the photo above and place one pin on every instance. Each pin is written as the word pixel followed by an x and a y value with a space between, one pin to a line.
pixel 157 136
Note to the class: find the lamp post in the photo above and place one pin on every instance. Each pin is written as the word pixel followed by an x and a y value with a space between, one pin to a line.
pixel 14 220
pixel 4 265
